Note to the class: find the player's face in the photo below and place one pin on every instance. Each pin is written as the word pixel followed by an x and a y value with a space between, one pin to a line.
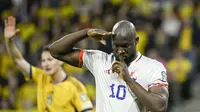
pixel 124 47
pixel 50 64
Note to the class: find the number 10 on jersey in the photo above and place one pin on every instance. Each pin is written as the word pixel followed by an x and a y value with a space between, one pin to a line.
pixel 121 92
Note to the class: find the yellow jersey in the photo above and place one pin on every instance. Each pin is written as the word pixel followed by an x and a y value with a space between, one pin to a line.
pixel 181 68
pixel 67 96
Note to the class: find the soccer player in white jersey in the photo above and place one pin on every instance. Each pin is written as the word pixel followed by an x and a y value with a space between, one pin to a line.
pixel 126 81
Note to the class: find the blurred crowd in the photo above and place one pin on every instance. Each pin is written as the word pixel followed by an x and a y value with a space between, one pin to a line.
pixel 169 32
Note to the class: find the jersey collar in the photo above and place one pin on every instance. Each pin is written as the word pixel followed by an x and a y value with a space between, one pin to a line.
pixel 66 77
pixel 139 55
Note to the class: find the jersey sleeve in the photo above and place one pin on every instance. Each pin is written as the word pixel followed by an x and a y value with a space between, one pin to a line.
pixel 90 58
pixel 35 74
pixel 81 100
pixel 158 76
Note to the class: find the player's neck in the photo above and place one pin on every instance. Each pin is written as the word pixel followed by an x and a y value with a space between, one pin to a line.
pixel 59 77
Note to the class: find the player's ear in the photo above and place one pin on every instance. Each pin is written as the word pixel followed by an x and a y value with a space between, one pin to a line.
pixel 137 40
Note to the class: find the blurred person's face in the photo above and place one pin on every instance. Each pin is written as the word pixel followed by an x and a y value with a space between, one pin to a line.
pixel 49 64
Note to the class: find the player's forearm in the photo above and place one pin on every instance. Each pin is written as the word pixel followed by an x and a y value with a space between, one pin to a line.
pixel 13 51
pixel 66 43
pixel 17 57
pixel 151 101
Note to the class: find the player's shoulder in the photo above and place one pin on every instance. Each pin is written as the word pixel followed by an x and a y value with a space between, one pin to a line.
pixel 151 63
pixel 37 71
pixel 76 84
pixel 97 54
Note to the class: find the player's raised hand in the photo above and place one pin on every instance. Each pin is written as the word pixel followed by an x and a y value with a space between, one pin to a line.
pixel 121 69
pixel 120 66
pixel 98 34
pixel 10 28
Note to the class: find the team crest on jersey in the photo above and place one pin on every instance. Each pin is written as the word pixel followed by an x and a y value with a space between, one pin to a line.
pixel 49 100
pixel 133 76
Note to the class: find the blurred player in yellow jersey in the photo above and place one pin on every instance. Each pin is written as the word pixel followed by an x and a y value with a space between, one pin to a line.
pixel 56 91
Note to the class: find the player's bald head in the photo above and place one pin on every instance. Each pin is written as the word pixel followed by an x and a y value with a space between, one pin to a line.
pixel 124 30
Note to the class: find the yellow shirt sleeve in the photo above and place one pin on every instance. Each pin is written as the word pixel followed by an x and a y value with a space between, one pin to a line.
pixel 35 73
pixel 81 100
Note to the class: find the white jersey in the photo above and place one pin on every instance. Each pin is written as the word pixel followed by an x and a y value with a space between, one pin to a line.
pixel 112 93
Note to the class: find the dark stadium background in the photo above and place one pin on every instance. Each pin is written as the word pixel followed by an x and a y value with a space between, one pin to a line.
pixel 169 31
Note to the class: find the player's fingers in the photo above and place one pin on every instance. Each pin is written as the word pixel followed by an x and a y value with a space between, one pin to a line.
pixel 104 34
pixel 120 53
pixel 91 32
pixel 117 63
pixel 9 21
pixel 121 59
pixel 101 31
pixel 103 41
pixel 107 33
pixel 110 34
pixel 115 68
pixel 121 76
